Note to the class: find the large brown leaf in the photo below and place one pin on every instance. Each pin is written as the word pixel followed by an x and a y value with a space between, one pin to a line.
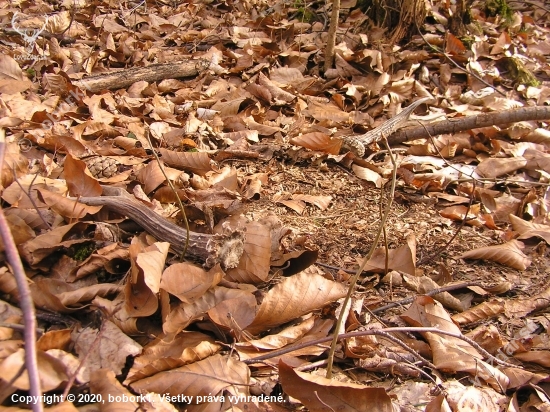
pixel 508 254
pixel 206 377
pixel 294 297
pixel 320 394
pixel 78 182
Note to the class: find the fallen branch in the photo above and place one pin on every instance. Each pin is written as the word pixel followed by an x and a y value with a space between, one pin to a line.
pixel 470 122
pixel 152 73
pixel 225 249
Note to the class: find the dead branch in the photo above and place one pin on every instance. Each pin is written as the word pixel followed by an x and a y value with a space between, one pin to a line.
pixel 470 122
pixel 225 249
pixel 152 73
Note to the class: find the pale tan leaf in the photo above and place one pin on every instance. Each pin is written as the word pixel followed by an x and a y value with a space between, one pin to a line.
pixel 540 357
pixel 294 297
pixel 12 80
pixel 50 371
pixel 88 293
pixel 495 167
pixel 321 202
pixel 368 175
pixel 485 310
pixel 450 353
pixel 20 231
pixel 530 229
pixel 508 254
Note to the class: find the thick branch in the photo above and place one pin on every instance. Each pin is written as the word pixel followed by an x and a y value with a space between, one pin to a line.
pixel 223 249
pixel 152 73
pixel 471 122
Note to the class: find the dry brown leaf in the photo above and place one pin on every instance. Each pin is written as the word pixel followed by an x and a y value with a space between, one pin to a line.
pixel 188 282
pixel 20 231
pixel 320 394
pixel 485 310
pixel 66 207
pixel 147 267
pixel 508 254
pixel 110 351
pixel 103 382
pixel 12 79
pixel 165 354
pixel 254 264
pixel 495 167
pixel 530 229
pixel 196 162
pixel 450 353
pixel 183 314
pixel 318 141
pixel 294 297
pixel 78 182
pixel 209 376
pixel 50 370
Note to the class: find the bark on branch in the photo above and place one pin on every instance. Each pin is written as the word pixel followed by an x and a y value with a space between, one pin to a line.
pixel 224 249
pixel 152 73
pixel 471 122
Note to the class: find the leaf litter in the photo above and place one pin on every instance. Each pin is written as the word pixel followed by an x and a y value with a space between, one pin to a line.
pixel 251 140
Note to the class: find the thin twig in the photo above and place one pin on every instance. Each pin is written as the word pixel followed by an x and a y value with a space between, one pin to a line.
pixel 176 194
pixel 381 332
pixel 25 300
pixel 28 194
pixel 430 293
pixel 363 263
pixel 458 66
pixel 463 221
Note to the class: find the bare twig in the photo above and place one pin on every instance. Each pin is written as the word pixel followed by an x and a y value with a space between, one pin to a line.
pixel 25 301
pixel 363 263
pixel 382 332
pixel 175 193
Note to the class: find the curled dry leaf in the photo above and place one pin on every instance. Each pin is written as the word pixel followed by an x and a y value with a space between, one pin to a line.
pixel 52 372
pixel 183 314
pixel 147 267
pixel 103 382
pixel 254 264
pixel 508 254
pixel 78 182
pixel 485 310
pixel 530 229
